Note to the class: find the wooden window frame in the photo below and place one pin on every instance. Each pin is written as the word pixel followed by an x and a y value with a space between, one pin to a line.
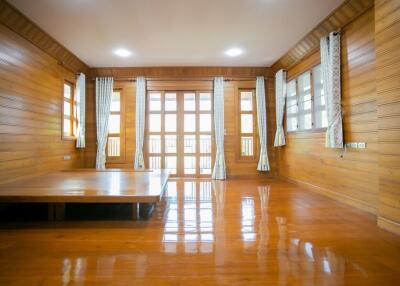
pixel 256 143
pixel 72 117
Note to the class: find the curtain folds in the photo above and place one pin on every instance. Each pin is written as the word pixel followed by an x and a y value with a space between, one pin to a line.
pixel 140 121
pixel 280 95
pixel 330 64
pixel 104 91
pixel 219 172
pixel 80 94
pixel 263 163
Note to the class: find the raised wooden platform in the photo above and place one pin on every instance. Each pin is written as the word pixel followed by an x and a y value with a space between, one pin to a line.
pixel 88 186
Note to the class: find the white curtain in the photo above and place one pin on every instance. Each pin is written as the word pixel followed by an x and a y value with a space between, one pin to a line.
pixel 330 63
pixel 80 94
pixel 263 164
pixel 280 95
pixel 219 172
pixel 140 121
pixel 104 91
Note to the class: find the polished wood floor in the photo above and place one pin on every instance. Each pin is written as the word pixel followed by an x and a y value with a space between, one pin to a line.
pixel 238 232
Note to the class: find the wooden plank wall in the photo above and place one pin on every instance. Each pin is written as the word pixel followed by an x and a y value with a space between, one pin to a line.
pixel 351 177
pixel 387 39
pixel 31 86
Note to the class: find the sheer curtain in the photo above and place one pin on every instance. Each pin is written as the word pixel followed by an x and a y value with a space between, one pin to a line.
pixel 330 63
pixel 263 163
pixel 80 94
pixel 219 172
pixel 140 121
pixel 280 95
pixel 104 91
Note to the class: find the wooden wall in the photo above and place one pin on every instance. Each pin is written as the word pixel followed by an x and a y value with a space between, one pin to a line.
pixel 352 176
pixel 31 86
pixel 387 39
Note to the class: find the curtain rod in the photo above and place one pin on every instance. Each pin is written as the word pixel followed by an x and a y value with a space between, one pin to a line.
pixel 133 79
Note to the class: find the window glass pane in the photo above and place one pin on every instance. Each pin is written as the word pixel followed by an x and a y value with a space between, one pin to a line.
pixel 155 122
pixel 67 108
pixel 205 101
pixel 305 121
pixel 170 143
pixel 154 144
pixel 246 100
pixel 189 163
pixel 291 88
pixel 291 123
pixel 189 123
pixel 205 144
pixel 189 144
pixel 304 82
pixel 155 101
pixel 115 101
pixel 205 165
pixel 246 123
pixel 170 164
pixel 246 146
pixel 170 122
pixel 170 101
pixel 155 163
pixel 320 119
pixel 114 124
pixel 205 122
pixel 113 147
pixel 67 91
pixel 189 101
pixel 67 127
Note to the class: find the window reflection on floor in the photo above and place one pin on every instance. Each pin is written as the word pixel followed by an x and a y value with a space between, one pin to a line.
pixel 247 221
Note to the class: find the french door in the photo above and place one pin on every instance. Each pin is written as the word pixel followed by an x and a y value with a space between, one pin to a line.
pixel 179 132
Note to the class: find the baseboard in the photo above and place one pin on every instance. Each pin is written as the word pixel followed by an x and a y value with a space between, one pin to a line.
pixel 334 195
pixel 389 225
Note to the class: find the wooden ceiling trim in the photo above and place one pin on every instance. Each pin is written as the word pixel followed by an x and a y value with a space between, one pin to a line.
pixel 342 16
pixel 23 26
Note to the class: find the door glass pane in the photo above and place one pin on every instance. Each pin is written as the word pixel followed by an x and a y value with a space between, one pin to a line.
pixel 205 122
pixel 246 146
pixel 155 163
pixel 189 144
pixel 170 164
pixel 155 101
pixel 154 144
pixel 246 101
pixel 189 122
pixel 246 123
pixel 170 122
pixel 67 127
pixel 170 143
pixel 205 144
pixel 115 101
pixel 189 163
pixel 170 102
pixel 67 108
pixel 189 101
pixel 113 146
pixel 205 165
pixel 205 101
pixel 155 123
pixel 114 124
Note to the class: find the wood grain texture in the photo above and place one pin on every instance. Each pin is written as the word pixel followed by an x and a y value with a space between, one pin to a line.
pixel 237 232
pixel 339 18
pixel 353 178
pixel 387 39
pixel 31 86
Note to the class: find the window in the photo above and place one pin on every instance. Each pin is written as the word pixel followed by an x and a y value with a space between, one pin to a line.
pixel 114 126
pixel 305 102
pixel 247 130
pixel 69 111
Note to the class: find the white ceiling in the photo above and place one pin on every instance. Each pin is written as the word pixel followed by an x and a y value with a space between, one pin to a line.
pixel 177 32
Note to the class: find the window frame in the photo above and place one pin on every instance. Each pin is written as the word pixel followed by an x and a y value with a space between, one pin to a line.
pixel 313 128
pixel 72 117
pixel 121 134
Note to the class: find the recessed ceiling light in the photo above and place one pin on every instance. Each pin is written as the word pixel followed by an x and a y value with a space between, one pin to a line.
pixel 123 53
pixel 234 52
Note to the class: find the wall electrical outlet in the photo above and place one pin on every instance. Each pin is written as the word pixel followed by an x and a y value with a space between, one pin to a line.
pixel 362 145
pixel 67 157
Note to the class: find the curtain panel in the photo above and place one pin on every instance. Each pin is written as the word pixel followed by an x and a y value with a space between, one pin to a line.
pixel 330 64
pixel 104 91
pixel 80 94
pixel 280 95
pixel 263 163
pixel 219 172
pixel 140 121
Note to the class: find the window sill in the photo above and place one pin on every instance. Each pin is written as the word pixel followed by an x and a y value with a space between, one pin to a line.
pixel 317 130
pixel 68 138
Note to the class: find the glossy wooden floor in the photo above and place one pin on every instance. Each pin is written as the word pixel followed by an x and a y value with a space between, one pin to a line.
pixel 204 233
